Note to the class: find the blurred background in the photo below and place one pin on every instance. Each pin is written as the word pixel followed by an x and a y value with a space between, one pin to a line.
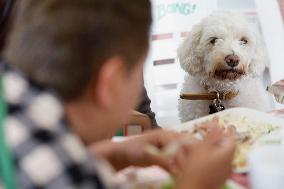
pixel 173 19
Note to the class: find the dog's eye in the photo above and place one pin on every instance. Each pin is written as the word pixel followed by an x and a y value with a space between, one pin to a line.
pixel 213 40
pixel 243 41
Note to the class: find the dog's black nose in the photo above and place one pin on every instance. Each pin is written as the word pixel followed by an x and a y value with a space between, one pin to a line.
pixel 232 60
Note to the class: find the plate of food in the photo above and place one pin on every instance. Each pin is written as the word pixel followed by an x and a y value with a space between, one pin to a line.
pixel 253 128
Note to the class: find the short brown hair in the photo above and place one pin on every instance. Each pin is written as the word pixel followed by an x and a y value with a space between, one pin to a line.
pixel 61 43
pixel 6 9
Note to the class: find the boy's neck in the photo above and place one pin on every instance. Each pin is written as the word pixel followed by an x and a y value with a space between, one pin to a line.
pixel 85 119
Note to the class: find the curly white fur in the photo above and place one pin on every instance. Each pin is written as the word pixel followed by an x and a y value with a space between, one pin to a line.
pixel 202 57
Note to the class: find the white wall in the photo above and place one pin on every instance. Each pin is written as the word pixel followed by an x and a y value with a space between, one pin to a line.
pixel 273 32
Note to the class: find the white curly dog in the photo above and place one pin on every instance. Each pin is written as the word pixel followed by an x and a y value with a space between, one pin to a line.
pixel 223 53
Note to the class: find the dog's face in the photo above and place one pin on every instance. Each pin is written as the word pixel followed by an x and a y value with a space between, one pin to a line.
pixel 228 49
pixel 223 46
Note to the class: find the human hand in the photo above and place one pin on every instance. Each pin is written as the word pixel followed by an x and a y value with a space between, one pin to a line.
pixel 134 151
pixel 208 163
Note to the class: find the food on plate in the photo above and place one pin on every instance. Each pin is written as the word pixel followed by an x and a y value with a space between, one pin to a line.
pixel 248 133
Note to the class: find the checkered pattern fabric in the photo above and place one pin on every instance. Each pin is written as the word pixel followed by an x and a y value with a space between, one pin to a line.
pixel 46 152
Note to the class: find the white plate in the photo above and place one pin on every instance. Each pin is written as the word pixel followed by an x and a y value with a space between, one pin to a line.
pixel 253 115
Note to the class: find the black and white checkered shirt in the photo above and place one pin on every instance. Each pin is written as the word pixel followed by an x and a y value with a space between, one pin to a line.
pixel 47 154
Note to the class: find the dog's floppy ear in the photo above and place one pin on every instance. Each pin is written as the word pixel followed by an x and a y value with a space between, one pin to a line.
pixel 260 60
pixel 189 56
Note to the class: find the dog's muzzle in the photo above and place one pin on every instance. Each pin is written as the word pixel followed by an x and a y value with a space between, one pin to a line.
pixel 231 74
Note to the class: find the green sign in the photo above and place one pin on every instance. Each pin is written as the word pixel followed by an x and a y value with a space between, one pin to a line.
pixel 184 9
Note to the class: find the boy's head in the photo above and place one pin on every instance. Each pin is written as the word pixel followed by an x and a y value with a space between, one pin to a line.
pixel 6 9
pixel 83 48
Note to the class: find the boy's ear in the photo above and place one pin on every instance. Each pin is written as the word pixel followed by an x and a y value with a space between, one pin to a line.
pixel 105 86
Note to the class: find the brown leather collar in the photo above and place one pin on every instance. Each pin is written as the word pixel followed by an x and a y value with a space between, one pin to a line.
pixel 209 96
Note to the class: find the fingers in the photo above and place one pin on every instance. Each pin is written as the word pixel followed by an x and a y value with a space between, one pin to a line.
pixel 157 158
pixel 214 136
pixel 181 155
pixel 218 136
pixel 172 156
pixel 178 161
pixel 228 147
pixel 162 138
pixel 223 154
